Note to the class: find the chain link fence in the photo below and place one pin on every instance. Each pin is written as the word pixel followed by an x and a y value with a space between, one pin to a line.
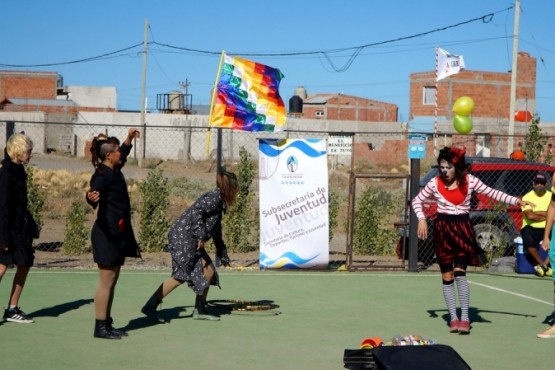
pixel 377 174
pixel 496 225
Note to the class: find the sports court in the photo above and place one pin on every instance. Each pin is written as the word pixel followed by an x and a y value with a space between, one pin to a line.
pixel 320 315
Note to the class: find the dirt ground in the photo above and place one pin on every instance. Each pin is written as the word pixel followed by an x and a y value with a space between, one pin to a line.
pixel 48 253
pixel 149 261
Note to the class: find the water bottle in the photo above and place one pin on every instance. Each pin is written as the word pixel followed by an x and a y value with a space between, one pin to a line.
pixel 519 245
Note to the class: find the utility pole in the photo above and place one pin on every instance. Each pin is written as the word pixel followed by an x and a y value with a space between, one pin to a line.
pixel 513 80
pixel 184 105
pixel 142 142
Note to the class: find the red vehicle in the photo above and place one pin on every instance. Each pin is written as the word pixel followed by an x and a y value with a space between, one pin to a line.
pixel 496 226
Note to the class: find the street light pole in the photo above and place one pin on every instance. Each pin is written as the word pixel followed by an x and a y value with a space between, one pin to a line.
pixel 510 142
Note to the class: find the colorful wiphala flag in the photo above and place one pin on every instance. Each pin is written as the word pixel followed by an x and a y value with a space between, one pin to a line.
pixel 247 97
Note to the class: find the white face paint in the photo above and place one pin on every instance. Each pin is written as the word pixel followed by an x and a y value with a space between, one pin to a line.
pixel 447 170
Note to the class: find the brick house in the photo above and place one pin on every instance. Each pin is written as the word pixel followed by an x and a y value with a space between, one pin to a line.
pixel 30 91
pixel 489 90
pixel 349 108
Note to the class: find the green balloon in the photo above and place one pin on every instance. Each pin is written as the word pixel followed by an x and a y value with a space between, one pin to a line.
pixel 462 124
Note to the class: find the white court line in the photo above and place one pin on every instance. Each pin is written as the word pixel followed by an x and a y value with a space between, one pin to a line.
pixel 512 293
pixel 374 274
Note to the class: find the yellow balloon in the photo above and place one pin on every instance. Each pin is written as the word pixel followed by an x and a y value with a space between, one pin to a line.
pixel 462 124
pixel 463 106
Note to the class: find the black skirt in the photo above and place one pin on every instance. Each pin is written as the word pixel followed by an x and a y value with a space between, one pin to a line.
pixel 107 250
pixel 19 256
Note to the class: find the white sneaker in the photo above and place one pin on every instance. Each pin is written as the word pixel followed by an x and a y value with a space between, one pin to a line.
pixel 16 315
pixel 547 333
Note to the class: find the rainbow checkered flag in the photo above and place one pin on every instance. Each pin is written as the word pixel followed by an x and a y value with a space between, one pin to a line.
pixel 247 96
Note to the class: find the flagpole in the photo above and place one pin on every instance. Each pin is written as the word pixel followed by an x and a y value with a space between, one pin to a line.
pixel 212 98
pixel 436 107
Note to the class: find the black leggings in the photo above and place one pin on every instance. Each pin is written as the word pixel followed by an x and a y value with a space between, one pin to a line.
pixel 458 262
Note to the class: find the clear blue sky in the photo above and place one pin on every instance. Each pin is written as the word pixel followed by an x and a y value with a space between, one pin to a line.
pixel 59 32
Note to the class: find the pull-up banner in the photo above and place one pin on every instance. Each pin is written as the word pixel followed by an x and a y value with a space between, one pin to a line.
pixel 294 225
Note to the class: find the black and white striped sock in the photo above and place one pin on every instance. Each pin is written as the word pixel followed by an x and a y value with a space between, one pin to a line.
pixel 464 294
pixel 450 299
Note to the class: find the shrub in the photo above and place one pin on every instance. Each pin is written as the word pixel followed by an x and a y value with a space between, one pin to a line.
pixel 373 233
pixel 154 223
pixel 535 141
pixel 188 188
pixel 36 197
pixel 76 233
pixel 333 205
pixel 239 223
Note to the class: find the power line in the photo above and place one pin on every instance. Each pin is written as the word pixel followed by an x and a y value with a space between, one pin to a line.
pixel 90 59
pixel 355 51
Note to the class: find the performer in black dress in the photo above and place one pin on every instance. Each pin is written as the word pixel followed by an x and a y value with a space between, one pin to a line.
pixel 112 235
pixel 191 263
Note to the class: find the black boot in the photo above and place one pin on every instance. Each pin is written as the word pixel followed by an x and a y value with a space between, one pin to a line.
pixel 110 323
pixel 101 330
pixel 199 313
pixel 149 309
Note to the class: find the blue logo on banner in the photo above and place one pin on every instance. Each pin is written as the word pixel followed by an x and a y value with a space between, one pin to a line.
pixel 292 164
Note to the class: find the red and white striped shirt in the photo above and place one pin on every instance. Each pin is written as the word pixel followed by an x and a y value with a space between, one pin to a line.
pixel 445 206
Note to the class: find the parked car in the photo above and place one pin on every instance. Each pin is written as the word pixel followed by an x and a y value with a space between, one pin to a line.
pixel 496 227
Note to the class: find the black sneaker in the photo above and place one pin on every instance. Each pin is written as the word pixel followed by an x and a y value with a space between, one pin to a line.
pixel 16 315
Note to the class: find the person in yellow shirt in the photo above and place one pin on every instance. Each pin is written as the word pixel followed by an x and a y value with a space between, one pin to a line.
pixel 533 224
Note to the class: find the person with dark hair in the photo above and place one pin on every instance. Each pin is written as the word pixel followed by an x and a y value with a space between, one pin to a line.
pixel 112 235
pixel 454 238
pixel 191 263
pixel 17 225
pixel 533 224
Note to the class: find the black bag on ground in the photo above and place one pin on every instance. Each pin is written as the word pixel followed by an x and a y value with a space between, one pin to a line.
pixel 429 357
pixel 359 359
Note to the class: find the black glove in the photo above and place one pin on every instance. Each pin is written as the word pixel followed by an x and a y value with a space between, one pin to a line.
pixel 224 258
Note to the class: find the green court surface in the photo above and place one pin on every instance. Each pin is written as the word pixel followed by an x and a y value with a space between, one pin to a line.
pixel 320 315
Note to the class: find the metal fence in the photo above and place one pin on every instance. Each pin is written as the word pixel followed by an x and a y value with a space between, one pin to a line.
pixel 379 165
pixel 496 225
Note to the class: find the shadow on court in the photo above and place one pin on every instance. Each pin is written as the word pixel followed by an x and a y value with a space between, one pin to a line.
pixel 168 314
pixel 474 314
pixel 60 309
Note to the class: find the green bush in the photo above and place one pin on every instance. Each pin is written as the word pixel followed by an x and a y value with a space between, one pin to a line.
pixel 239 224
pixel 76 233
pixel 373 231
pixel 333 211
pixel 188 188
pixel 155 192
pixel 36 197
pixel 535 141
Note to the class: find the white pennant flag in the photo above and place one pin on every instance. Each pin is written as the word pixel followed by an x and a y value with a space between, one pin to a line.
pixel 448 64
